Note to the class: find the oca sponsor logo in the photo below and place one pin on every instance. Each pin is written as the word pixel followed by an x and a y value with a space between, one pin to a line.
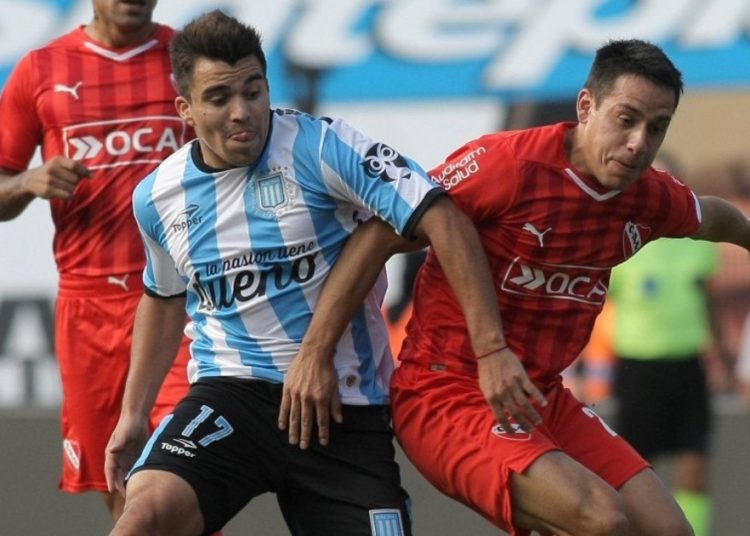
pixel 122 142
pixel 577 283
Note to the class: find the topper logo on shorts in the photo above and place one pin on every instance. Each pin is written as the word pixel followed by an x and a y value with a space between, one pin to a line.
pixel 176 450
pixel 576 283
pixel 519 434
pixel 386 522
pixel 384 162
pixel 121 142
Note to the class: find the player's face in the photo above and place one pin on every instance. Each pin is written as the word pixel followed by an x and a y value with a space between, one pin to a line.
pixel 128 15
pixel 229 107
pixel 620 133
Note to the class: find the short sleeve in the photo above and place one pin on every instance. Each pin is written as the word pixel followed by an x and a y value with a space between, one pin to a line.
pixel 375 176
pixel 160 276
pixel 481 177
pixel 680 214
pixel 21 130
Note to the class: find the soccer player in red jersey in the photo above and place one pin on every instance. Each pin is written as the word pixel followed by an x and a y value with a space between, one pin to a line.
pixel 100 102
pixel 556 208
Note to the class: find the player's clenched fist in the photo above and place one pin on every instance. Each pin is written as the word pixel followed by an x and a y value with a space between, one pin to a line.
pixel 55 179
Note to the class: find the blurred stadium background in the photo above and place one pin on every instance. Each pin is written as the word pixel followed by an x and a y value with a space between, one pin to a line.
pixel 424 76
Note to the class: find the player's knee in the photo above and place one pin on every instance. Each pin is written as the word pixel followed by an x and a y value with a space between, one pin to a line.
pixel 138 517
pixel 601 513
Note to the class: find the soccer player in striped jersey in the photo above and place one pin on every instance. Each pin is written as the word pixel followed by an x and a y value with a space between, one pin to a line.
pixel 556 208
pixel 242 227
pixel 100 102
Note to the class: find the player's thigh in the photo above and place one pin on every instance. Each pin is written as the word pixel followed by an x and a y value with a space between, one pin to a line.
pixel 584 436
pixel 451 436
pixel 350 487
pixel 651 509
pixel 223 440
pixel 556 493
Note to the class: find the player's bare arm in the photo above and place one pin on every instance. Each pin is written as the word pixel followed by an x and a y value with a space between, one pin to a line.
pixel 157 331
pixel 504 382
pixel 311 386
pixel 722 222
pixel 55 179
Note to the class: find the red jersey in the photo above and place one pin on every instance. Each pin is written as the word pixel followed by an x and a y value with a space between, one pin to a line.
pixel 112 109
pixel 552 235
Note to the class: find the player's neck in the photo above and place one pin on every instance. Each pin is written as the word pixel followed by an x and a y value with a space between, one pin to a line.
pixel 114 36
pixel 574 147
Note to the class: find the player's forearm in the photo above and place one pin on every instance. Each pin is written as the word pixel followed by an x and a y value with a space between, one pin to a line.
pixel 723 222
pixel 14 198
pixel 351 279
pixel 157 332
pixel 455 241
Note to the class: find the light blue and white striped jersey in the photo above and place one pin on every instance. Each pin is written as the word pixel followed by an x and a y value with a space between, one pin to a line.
pixel 253 247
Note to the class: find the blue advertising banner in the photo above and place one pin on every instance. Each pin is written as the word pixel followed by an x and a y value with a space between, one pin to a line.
pixel 417 49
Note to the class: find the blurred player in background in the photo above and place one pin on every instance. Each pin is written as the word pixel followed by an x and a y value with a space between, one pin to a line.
pixel 556 208
pixel 100 103
pixel 664 322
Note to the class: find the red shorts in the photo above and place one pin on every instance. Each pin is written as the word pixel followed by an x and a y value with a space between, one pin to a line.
pixel 93 329
pixel 449 433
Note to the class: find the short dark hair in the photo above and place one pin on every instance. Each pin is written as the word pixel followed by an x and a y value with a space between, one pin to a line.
pixel 215 36
pixel 636 57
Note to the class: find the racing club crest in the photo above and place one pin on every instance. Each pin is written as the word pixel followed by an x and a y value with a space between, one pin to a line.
pixel 273 193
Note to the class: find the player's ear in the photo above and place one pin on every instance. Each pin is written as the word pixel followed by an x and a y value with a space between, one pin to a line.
pixel 183 109
pixel 584 105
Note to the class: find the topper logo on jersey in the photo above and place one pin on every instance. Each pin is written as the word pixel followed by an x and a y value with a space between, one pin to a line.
pixel 106 144
pixel 186 219
pixel 384 162
pixel 632 239
pixel 576 283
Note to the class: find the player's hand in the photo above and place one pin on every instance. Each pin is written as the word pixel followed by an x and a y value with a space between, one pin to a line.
pixel 55 179
pixel 311 395
pixel 509 391
pixel 124 448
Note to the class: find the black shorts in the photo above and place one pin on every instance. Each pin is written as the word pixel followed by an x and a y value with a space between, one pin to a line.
pixel 224 440
pixel 663 405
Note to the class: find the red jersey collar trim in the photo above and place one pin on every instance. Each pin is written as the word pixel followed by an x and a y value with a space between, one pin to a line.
pixel 119 55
